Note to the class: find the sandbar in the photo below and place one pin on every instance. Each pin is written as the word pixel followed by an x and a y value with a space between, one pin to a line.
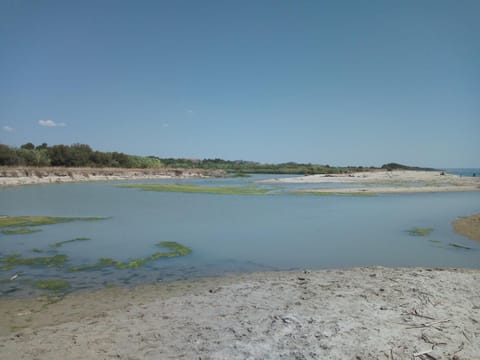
pixel 468 226
pixel 359 313
pixel 384 182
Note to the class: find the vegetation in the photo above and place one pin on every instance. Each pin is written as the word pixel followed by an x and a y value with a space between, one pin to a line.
pixel 395 166
pixel 224 190
pixel 250 167
pixel 175 248
pixel 14 260
pixel 61 243
pixel 82 155
pixel 23 221
pixel 52 284
pixel 76 155
pixel 19 231
pixel 416 231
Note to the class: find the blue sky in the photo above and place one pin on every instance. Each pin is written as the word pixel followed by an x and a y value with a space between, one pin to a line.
pixel 330 82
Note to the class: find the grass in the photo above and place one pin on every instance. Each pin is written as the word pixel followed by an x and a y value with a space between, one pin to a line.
pixel 61 243
pixel 14 260
pixel 51 284
pixel 25 221
pixel 416 231
pixel 222 190
pixel 176 250
pixel 20 231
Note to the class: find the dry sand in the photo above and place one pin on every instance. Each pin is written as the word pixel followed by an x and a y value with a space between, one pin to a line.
pixel 383 182
pixel 363 313
pixel 468 226
pixel 13 176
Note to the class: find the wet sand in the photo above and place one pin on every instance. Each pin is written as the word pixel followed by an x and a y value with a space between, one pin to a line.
pixel 468 226
pixel 362 313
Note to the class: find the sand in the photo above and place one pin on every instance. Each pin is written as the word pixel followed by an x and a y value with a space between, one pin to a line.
pixel 362 313
pixel 14 176
pixel 468 226
pixel 385 182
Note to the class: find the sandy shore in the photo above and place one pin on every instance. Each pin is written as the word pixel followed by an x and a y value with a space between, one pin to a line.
pixel 468 226
pixel 364 313
pixel 384 182
pixel 51 175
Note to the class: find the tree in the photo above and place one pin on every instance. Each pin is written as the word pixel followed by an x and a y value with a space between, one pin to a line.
pixel 28 146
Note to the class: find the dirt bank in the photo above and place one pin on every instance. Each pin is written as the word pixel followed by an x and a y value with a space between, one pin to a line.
pixel 12 176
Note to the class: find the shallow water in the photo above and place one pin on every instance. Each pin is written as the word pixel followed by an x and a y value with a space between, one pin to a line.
pixel 231 233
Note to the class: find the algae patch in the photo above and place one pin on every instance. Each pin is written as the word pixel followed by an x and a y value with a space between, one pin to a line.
pixel 20 231
pixel 51 284
pixel 61 243
pixel 25 221
pixel 14 260
pixel 175 248
pixel 222 190
pixel 416 231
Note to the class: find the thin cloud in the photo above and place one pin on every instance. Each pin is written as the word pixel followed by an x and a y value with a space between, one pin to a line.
pixel 165 125
pixel 190 112
pixel 50 123
pixel 8 128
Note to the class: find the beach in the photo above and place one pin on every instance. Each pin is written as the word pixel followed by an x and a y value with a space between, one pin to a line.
pixel 384 182
pixel 360 313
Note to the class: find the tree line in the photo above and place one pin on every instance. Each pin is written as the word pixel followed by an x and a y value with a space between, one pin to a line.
pixel 82 155
pixel 76 155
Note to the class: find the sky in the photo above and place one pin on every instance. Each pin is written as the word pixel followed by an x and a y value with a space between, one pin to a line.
pixel 327 82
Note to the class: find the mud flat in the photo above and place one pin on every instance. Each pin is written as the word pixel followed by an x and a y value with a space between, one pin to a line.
pixel 361 313
pixel 49 175
pixel 384 182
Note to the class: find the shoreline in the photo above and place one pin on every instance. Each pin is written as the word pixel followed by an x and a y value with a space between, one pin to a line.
pixel 367 313
pixel 17 176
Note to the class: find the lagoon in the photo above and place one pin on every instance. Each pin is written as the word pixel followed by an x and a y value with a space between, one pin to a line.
pixel 228 233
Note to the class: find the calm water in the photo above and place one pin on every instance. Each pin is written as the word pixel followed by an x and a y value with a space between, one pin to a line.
pixel 230 233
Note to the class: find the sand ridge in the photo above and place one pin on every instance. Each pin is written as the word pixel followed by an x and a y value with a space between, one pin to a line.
pixel 362 313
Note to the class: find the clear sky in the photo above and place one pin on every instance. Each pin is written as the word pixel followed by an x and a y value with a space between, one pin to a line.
pixel 329 82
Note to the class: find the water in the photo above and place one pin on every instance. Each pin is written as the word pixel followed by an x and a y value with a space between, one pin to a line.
pixel 232 233
pixel 464 171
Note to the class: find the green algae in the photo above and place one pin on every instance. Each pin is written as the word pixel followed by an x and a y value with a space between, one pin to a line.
pixel 25 221
pixel 175 248
pixel 13 260
pixel 416 231
pixel 20 231
pixel 52 284
pixel 222 190
pixel 61 243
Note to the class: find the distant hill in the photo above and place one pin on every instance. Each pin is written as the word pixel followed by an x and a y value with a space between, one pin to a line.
pixel 396 166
